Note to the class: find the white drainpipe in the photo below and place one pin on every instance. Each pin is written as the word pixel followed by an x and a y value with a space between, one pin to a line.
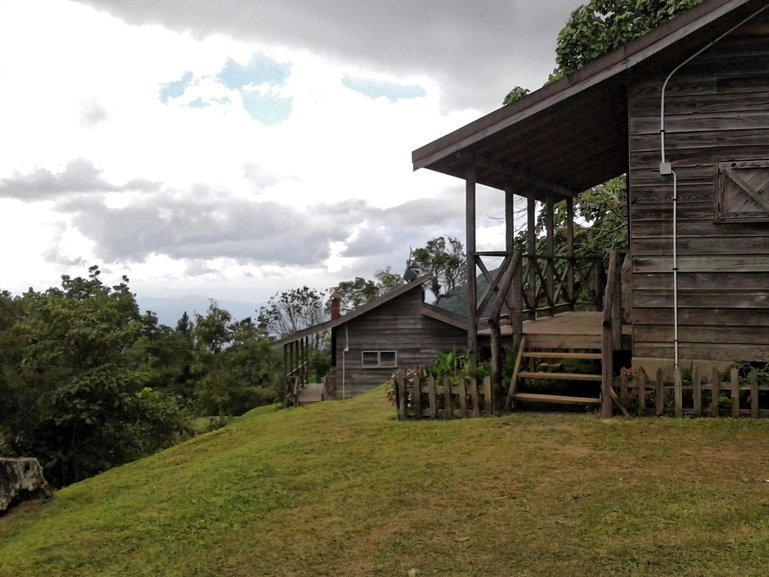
pixel 666 168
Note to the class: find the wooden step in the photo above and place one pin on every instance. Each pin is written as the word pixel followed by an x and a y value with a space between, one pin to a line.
pixel 556 399
pixel 559 376
pixel 555 355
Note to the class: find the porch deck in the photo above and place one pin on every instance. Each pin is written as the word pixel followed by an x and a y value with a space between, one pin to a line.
pixel 573 329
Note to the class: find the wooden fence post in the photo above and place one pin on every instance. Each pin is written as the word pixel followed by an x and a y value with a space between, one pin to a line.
pixel 659 400
pixel 753 380
pixel 678 392
pixel 474 397
pixel 462 396
pixel 641 391
pixel 432 397
pixel 735 392
pixel 488 401
pixel 417 396
pixel 715 388
pixel 697 391
pixel 402 396
pixel 447 410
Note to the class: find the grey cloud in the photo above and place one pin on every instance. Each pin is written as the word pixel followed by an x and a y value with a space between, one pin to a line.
pixel 80 176
pixel 264 233
pixel 92 114
pixel 208 224
pixel 477 50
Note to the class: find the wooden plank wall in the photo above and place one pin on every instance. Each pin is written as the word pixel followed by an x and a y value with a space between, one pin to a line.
pixel 717 109
pixel 395 326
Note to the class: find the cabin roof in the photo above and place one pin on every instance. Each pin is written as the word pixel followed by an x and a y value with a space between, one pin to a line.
pixel 428 310
pixel 573 134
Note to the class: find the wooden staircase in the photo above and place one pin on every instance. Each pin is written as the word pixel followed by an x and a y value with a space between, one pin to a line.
pixel 540 362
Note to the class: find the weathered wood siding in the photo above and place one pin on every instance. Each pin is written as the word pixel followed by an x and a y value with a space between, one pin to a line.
pixel 395 326
pixel 717 109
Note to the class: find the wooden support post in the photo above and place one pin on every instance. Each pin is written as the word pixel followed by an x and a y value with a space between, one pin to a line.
pixel 607 372
pixel 659 395
pixel 531 249
pixel 550 250
pixel 516 291
pixel 495 337
pixel 715 391
pixel 735 392
pixel 753 381
pixel 641 392
pixel 509 219
pixel 514 380
pixel 470 223
pixel 570 264
pixel 697 391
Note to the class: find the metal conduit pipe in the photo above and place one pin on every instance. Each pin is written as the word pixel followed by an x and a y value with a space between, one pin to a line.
pixel 666 168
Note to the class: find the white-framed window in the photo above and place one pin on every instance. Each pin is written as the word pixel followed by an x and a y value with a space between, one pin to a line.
pixel 379 359
pixel 743 191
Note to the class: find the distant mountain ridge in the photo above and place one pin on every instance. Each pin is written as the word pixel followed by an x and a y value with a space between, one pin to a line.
pixel 169 310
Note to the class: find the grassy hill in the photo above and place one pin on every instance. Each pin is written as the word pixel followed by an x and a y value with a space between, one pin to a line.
pixel 343 489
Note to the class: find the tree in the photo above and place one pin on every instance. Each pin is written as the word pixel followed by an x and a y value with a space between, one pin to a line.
pixel 355 293
pixel 78 394
pixel 603 213
pixel 290 311
pixel 515 95
pixel 359 291
pixel 443 258
pixel 601 26
pixel 387 280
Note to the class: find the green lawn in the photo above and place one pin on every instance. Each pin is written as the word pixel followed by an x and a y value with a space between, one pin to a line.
pixel 343 489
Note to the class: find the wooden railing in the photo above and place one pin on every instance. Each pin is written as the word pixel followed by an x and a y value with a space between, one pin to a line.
pixel 537 286
pixel 559 283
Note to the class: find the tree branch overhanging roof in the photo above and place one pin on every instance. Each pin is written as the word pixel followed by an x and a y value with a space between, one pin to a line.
pixel 571 135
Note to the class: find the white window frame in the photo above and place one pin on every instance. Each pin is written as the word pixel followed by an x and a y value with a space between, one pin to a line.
pixel 380 364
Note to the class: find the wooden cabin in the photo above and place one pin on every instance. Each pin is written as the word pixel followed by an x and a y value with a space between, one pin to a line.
pixel 396 332
pixel 684 113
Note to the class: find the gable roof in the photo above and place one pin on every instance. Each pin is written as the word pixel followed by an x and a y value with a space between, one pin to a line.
pixel 572 134
pixel 440 315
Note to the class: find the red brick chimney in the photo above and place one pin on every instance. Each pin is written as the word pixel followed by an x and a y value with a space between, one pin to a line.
pixel 336 300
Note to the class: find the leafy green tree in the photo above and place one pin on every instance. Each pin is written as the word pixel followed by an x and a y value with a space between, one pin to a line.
pixel 515 95
pixel 600 223
pixel 80 404
pixel 601 26
pixel 236 370
pixel 387 280
pixel 355 293
pixel 291 311
pixel 443 258
pixel 359 291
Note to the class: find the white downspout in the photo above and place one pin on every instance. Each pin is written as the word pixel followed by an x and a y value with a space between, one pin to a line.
pixel 667 168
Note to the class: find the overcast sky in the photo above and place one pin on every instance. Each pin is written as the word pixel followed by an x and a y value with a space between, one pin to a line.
pixel 241 147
